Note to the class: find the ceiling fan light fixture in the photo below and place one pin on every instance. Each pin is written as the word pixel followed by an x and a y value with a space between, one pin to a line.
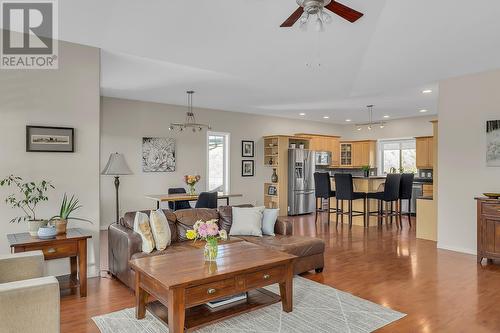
pixel 190 121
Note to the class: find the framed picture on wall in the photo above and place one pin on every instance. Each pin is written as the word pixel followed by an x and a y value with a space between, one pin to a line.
pixel 493 143
pixel 247 148
pixel 158 154
pixel 247 168
pixel 50 139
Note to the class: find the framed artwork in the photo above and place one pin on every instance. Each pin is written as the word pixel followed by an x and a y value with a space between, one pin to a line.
pixel 271 190
pixel 158 155
pixel 247 168
pixel 493 143
pixel 247 148
pixel 50 139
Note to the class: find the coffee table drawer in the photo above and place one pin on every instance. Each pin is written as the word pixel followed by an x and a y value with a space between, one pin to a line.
pixel 265 277
pixel 55 251
pixel 210 291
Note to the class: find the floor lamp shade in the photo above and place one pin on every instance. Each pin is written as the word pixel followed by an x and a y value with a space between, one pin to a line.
pixel 117 166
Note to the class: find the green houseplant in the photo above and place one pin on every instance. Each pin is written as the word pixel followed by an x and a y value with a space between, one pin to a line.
pixel 27 197
pixel 366 170
pixel 68 207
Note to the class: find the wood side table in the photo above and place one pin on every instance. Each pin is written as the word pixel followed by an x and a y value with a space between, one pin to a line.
pixel 72 245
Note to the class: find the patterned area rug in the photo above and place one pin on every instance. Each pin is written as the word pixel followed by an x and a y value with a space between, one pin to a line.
pixel 317 308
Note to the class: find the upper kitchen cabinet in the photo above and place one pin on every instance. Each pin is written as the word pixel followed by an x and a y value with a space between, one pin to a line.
pixel 328 143
pixel 358 153
pixel 425 152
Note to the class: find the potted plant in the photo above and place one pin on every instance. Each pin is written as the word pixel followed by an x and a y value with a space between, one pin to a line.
pixel 68 207
pixel 29 196
pixel 366 170
pixel 191 181
pixel 209 232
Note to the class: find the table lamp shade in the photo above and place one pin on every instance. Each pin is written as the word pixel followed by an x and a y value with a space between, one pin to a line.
pixel 116 166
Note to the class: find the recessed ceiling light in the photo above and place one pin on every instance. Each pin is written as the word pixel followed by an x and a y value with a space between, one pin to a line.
pixel 386 116
pixel 326 117
pixel 423 111
pixel 348 120
pixel 359 128
pixel 302 114
pixel 426 91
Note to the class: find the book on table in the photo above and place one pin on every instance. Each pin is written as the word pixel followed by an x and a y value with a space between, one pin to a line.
pixel 227 300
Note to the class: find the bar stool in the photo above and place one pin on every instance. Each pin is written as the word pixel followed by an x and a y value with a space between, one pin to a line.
pixel 322 191
pixel 389 195
pixel 344 190
pixel 405 193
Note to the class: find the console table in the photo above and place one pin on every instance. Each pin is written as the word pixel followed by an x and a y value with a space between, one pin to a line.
pixel 488 229
pixel 72 245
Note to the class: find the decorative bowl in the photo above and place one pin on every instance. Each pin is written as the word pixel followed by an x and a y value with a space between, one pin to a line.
pixel 492 195
pixel 48 232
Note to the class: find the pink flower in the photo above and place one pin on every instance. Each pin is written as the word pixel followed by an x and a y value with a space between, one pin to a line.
pixel 213 229
pixel 203 230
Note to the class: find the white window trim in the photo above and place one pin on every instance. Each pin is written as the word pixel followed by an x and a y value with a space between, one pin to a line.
pixel 380 157
pixel 227 170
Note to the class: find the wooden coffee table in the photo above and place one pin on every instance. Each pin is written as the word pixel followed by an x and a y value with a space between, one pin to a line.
pixel 183 282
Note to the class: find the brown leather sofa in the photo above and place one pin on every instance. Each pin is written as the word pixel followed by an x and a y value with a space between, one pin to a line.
pixel 124 244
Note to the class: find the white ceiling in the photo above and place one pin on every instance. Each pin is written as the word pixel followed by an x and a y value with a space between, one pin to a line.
pixel 233 53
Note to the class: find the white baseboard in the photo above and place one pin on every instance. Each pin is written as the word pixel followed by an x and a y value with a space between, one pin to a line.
pixel 456 249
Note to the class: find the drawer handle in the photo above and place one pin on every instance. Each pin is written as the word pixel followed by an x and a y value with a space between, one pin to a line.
pixel 51 250
pixel 266 276
pixel 211 291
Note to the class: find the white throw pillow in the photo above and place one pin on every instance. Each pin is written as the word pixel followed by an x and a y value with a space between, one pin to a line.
pixel 142 227
pixel 269 220
pixel 160 229
pixel 247 221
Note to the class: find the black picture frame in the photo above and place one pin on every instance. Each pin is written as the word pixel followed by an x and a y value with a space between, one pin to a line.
pixel 244 152
pixel 50 132
pixel 245 173
pixel 272 190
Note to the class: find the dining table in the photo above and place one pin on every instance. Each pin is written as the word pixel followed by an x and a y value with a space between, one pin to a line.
pixel 159 198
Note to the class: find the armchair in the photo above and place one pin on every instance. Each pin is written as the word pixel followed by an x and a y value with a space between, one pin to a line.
pixel 29 302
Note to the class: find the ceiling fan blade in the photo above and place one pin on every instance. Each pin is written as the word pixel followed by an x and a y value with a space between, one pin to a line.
pixel 343 11
pixel 293 18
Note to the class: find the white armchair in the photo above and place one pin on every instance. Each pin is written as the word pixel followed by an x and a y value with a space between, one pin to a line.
pixel 29 302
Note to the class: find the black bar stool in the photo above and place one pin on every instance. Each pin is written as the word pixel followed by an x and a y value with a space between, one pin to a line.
pixel 405 193
pixel 322 191
pixel 390 195
pixel 344 190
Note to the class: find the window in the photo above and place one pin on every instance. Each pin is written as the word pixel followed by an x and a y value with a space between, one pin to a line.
pixel 218 161
pixel 398 154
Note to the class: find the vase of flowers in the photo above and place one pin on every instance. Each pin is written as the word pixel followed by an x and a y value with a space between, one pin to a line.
pixel 210 233
pixel 191 181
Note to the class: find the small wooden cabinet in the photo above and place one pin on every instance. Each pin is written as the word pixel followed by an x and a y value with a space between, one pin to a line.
pixel 488 229
pixel 425 152
pixel 358 153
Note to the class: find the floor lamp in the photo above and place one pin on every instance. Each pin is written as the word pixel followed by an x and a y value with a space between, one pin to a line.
pixel 116 166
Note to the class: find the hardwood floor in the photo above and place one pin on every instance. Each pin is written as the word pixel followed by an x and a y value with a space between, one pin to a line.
pixel 440 291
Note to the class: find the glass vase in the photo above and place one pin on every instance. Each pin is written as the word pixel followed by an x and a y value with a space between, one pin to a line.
pixel 211 249
pixel 191 189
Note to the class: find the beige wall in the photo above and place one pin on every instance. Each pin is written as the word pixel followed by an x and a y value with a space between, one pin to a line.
pixel 125 122
pixel 394 129
pixel 69 97
pixel 465 104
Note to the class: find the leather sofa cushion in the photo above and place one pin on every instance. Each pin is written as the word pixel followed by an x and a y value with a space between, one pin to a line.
pixel 186 218
pixel 297 245
pixel 225 218
pixel 128 221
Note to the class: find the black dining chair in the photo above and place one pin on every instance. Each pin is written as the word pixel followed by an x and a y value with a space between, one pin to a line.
pixel 405 193
pixel 388 196
pixel 178 205
pixel 323 191
pixel 344 190
pixel 207 200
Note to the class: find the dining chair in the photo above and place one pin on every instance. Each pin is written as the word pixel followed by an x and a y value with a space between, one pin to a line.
pixel 207 200
pixel 178 205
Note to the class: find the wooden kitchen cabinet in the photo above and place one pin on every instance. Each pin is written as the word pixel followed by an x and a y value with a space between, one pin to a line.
pixel 361 153
pixel 324 143
pixel 425 152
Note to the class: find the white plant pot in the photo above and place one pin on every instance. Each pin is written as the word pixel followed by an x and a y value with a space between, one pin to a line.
pixel 33 226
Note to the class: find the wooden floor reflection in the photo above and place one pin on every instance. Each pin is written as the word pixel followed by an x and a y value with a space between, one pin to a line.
pixel 441 291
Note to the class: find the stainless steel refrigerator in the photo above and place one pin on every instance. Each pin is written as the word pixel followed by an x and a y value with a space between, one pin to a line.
pixel 301 168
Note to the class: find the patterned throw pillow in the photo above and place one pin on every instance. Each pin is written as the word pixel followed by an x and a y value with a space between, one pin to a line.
pixel 160 229
pixel 142 227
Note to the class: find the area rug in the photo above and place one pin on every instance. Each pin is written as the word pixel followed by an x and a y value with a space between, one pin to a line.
pixel 317 308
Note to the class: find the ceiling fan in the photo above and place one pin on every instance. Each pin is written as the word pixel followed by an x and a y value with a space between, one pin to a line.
pixel 315 7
